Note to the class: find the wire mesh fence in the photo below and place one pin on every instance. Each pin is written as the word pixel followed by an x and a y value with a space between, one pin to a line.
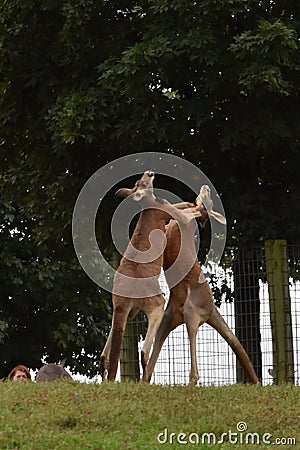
pixel 247 312
pixel 294 291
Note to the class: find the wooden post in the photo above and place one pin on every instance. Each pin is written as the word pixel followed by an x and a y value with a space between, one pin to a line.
pixel 280 311
pixel 130 367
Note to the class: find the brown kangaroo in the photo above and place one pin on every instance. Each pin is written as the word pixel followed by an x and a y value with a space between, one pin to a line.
pixel 136 285
pixel 191 300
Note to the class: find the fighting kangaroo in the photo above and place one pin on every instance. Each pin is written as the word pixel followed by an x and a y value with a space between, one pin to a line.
pixel 191 300
pixel 136 285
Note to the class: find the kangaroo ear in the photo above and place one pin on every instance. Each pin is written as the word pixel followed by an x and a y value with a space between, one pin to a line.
pixel 218 217
pixel 63 362
pixel 124 192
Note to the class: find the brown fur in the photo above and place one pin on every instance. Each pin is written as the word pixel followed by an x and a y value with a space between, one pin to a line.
pixel 191 302
pixel 125 305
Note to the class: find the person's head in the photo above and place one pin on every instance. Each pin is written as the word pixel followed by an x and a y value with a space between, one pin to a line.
pixel 19 373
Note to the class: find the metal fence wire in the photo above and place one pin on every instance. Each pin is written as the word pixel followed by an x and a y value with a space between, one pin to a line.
pixel 250 297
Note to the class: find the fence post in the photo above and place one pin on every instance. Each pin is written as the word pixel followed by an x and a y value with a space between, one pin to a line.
pixel 129 366
pixel 280 310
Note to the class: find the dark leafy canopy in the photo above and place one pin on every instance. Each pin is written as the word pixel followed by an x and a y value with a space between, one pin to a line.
pixel 85 81
pixel 219 82
pixel 47 306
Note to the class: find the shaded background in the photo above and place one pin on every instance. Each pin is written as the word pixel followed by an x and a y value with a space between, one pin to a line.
pixel 85 82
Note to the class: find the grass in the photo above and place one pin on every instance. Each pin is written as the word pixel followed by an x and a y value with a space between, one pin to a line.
pixel 67 415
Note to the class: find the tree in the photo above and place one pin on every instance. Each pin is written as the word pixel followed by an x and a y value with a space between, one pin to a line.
pixel 48 307
pixel 52 128
pixel 219 84
pixel 84 82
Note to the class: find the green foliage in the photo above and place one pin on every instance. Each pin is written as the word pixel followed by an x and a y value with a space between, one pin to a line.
pixel 48 308
pixel 72 118
pixel 233 68
pixel 269 51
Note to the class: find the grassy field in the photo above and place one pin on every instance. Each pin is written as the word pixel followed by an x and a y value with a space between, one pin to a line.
pixel 70 415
